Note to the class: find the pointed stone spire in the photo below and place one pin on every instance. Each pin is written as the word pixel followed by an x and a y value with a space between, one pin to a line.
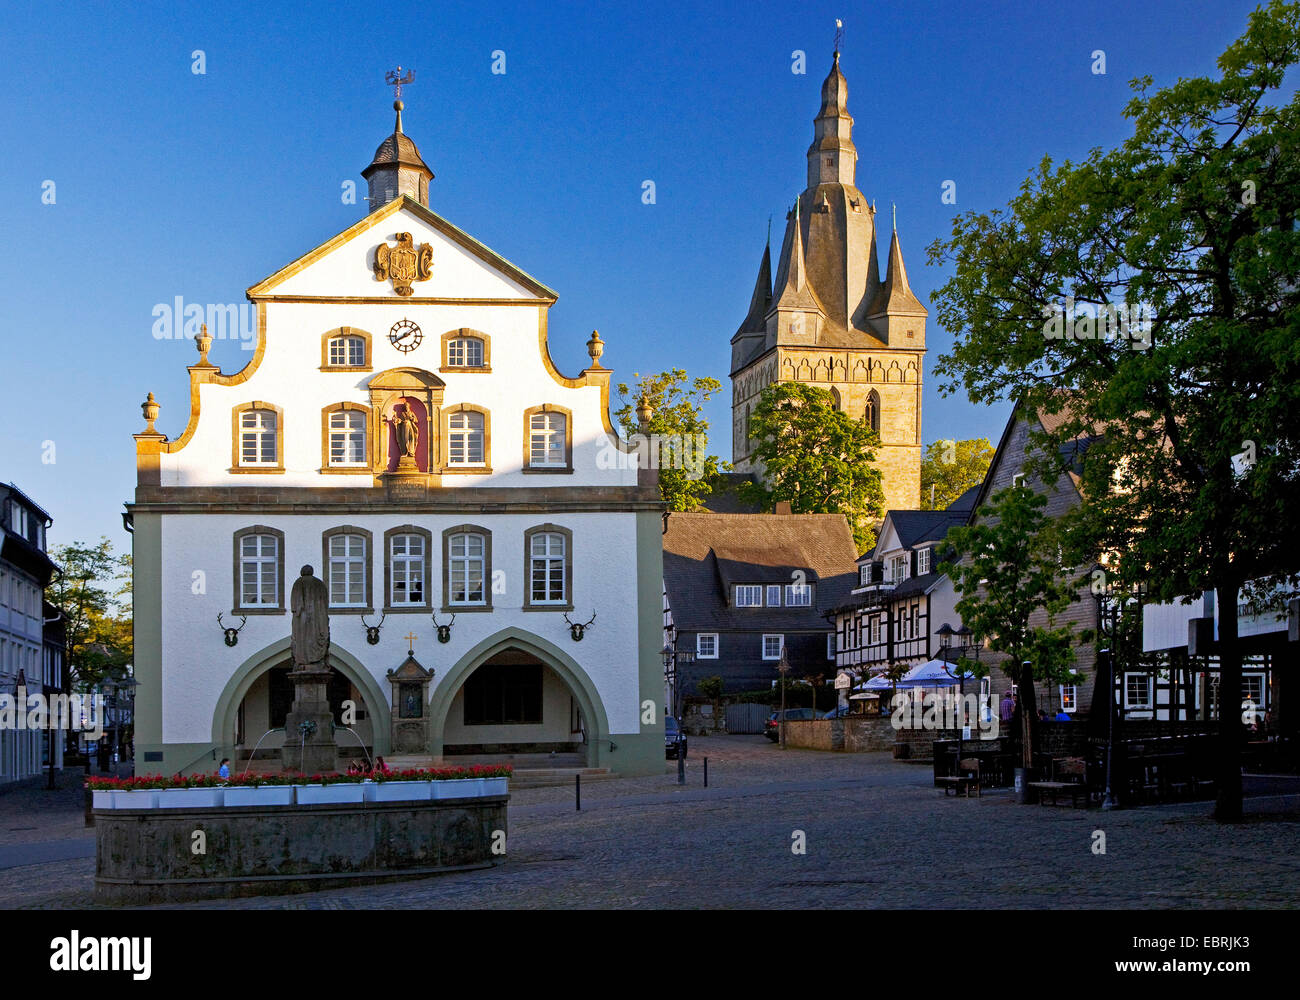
pixel 397 168
pixel 761 301
pixel 832 157
pixel 896 294
pixel 794 292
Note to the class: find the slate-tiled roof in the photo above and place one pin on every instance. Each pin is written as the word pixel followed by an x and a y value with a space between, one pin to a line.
pixel 705 553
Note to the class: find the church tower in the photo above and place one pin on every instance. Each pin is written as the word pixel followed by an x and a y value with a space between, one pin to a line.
pixel 829 318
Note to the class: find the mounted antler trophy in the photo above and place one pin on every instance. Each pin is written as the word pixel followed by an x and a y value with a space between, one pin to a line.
pixel 232 634
pixel 444 631
pixel 578 629
pixel 372 631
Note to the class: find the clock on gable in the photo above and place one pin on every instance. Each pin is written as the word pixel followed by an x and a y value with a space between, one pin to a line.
pixel 405 336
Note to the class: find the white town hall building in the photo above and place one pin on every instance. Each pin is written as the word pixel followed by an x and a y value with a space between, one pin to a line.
pixel 400 428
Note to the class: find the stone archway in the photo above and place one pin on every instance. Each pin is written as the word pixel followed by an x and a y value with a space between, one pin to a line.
pixel 569 671
pixel 225 714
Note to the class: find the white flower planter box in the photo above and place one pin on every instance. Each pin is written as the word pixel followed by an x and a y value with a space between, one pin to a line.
pixel 496 786
pixel 458 788
pixel 102 800
pixel 402 791
pixel 262 795
pixel 189 798
pixel 344 792
pixel 144 798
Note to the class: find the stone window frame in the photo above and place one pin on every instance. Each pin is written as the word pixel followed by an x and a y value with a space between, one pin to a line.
pixel 427 603
pixel 871 410
pixel 236 412
pixel 346 331
pixel 548 527
pixel 444 420
pixel 236 607
pixel 465 332
pixel 367 466
pixel 567 467
pixel 466 529
pixel 367 575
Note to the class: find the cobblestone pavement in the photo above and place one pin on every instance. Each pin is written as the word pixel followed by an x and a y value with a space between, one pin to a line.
pixel 877 832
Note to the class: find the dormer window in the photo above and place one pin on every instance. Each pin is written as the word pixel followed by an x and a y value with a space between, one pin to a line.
pixel 749 595
pixel 922 561
pixel 898 566
pixel 864 574
pixel 798 595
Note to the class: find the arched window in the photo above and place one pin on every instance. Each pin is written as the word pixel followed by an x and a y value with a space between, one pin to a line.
pixel 258 434
pixel 549 564
pixel 467 568
pixel 345 443
pixel 347 568
pixel 872 414
pixel 406 568
pixel 548 439
pixel 467 438
pixel 466 350
pixel 346 349
pixel 259 570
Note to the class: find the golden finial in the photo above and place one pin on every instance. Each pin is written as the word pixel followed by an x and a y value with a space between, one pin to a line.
pixel 150 409
pixel 595 348
pixel 644 411
pixel 204 342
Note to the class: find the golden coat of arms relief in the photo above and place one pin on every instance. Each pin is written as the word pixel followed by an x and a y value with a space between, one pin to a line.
pixel 403 263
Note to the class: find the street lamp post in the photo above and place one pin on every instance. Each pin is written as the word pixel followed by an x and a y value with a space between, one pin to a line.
pixel 783 667
pixel 672 662
pixel 1107 620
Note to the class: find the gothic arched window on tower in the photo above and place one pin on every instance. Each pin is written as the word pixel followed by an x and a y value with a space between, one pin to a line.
pixel 872 414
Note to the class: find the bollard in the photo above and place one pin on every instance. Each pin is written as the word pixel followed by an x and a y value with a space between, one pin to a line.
pixel 681 763
pixel 577 792
pixel 706 772
pixel 90 808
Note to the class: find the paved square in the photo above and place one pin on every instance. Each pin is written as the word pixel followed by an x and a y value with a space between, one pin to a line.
pixel 877 832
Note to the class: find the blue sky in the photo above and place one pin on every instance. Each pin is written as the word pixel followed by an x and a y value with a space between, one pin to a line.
pixel 170 183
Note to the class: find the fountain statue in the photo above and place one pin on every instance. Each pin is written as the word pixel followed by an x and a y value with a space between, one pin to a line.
pixel 309 727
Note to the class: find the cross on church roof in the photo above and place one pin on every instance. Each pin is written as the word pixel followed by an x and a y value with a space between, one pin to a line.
pixel 410 638
pixel 395 80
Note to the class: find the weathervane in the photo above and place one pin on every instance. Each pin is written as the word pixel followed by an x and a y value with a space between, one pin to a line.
pixel 839 35
pixel 395 80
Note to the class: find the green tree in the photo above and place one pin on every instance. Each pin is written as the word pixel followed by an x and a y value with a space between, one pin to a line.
pixel 1146 301
pixel 815 457
pixel 950 468
pixel 94 592
pixel 687 473
pixel 1006 567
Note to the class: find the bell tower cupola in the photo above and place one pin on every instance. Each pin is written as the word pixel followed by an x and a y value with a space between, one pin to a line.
pixel 397 168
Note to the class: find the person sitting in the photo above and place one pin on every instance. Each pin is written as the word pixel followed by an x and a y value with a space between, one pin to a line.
pixel 1062 716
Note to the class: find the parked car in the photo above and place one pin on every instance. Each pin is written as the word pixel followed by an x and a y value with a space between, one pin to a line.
pixel 672 734
pixel 837 712
pixel 773 732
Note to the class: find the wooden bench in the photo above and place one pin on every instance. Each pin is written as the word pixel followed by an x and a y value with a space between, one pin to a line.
pixel 1073 771
pixel 967 777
